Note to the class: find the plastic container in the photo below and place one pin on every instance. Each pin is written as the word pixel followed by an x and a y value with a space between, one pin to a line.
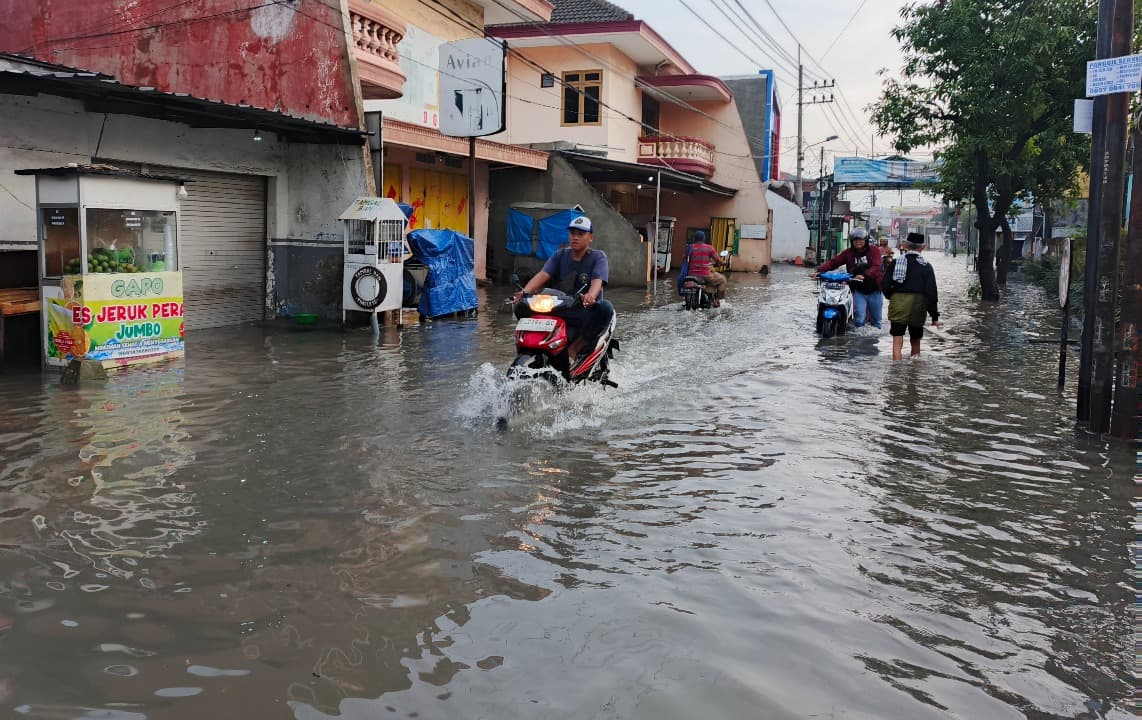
pixel 305 318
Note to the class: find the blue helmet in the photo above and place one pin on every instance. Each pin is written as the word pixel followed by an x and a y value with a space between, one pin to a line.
pixel 699 236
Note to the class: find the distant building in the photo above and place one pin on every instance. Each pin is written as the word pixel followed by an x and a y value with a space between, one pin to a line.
pixel 760 108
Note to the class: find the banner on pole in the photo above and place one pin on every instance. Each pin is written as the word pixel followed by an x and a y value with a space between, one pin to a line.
pixel 1114 75
pixel 886 173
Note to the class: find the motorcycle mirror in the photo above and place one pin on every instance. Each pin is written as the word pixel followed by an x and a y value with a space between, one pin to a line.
pixel 515 280
pixel 724 253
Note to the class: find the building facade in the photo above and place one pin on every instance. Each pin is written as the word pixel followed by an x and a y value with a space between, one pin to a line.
pixel 641 126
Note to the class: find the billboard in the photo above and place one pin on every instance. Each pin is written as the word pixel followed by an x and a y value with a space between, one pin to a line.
pixel 884 173
pixel 472 85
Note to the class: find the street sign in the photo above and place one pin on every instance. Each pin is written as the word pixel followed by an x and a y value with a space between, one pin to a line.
pixel 1114 75
pixel 1064 270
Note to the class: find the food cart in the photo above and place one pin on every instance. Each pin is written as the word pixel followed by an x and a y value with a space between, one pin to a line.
pixel 109 277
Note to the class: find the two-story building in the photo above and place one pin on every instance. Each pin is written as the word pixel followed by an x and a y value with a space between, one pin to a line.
pixel 420 166
pixel 632 124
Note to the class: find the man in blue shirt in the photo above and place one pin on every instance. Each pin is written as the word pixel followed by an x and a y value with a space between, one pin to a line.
pixel 568 270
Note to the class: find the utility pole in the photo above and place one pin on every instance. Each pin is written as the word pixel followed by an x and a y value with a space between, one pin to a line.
pixel 1124 421
pixel 1110 227
pixel 800 137
pixel 1090 276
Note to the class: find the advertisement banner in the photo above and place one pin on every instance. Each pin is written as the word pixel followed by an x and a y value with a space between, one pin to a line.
pixel 472 85
pixel 884 173
pixel 115 318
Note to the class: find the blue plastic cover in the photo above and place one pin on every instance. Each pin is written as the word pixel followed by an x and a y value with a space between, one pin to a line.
pixel 520 226
pixel 451 283
pixel 553 232
pixel 836 276
pixel 406 209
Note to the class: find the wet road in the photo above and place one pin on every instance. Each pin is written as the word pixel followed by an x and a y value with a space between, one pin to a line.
pixel 756 523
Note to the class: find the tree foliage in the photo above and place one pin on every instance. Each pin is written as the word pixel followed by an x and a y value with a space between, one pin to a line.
pixel 991 84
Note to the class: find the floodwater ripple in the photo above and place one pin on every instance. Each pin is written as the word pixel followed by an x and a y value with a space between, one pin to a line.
pixel 756 523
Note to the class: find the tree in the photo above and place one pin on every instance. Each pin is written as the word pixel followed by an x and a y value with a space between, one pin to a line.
pixel 991 84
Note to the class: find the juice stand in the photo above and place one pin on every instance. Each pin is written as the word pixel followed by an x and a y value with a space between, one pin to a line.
pixel 109 277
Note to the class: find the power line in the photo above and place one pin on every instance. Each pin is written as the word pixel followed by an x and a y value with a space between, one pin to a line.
pixel 846 27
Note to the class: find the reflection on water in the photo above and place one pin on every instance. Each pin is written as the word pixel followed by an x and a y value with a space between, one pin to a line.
pixel 756 523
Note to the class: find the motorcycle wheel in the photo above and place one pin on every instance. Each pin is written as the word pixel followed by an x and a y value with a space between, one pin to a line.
pixel 689 302
pixel 830 327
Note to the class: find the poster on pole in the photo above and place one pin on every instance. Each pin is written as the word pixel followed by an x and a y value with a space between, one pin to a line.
pixel 1114 75
pixel 472 87
pixel 1064 270
pixel 1084 116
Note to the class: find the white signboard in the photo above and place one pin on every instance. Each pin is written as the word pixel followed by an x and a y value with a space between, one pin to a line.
pixel 1084 116
pixel 1114 75
pixel 472 87
pixel 419 55
pixel 755 232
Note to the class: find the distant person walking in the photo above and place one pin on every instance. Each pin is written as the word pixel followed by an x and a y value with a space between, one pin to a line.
pixel 910 286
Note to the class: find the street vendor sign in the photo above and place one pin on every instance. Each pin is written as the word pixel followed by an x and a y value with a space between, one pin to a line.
pixel 1114 75
pixel 115 319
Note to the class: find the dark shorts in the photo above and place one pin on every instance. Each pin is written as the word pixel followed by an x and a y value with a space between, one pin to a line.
pixel 915 332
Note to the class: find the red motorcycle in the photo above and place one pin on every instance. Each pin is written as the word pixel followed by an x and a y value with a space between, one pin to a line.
pixel 542 339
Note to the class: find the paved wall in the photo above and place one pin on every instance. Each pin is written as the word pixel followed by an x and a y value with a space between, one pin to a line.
pixel 292 58
pixel 562 185
pixel 308 185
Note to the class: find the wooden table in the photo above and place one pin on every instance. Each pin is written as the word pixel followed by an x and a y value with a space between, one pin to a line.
pixel 16 301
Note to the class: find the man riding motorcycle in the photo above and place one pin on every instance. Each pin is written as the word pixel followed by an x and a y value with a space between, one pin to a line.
pixel 702 257
pixel 564 269
pixel 863 262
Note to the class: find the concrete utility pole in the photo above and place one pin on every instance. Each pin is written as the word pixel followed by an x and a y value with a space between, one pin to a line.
pixel 1110 227
pixel 1124 420
pixel 800 138
pixel 1090 276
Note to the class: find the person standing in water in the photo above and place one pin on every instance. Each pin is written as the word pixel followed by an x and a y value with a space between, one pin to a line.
pixel 910 286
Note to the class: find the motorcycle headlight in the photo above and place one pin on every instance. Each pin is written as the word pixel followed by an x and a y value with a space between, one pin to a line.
pixel 541 303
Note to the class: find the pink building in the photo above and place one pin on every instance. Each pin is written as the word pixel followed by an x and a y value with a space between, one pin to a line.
pixel 618 105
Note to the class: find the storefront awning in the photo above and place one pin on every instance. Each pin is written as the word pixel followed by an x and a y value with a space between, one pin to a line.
pixel 603 170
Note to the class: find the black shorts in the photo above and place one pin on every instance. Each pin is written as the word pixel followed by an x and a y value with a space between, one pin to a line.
pixel 915 332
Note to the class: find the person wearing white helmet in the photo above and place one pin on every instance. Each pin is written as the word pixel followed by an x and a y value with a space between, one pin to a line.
pixel 568 269
pixel 862 261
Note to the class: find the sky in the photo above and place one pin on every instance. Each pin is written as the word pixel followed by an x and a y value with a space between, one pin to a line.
pixel 850 39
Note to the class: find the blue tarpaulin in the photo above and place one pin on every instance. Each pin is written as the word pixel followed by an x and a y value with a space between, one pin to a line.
pixel 451 283
pixel 553 232
pixel 520 226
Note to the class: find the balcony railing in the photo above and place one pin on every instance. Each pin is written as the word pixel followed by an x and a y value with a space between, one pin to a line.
pixel 376 33
pixel 685 154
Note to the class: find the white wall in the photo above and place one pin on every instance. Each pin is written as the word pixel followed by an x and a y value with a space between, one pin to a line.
pixel 790 233
pixel 309 185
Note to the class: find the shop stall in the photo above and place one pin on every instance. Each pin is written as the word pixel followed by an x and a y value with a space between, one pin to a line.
pixel 110 284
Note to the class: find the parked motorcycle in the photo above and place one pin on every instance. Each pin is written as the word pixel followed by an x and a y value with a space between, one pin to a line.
pixel 693 290
pixel 542 339
pixel 834 303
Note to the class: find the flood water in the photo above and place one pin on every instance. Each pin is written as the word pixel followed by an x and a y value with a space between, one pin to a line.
pixel 757 524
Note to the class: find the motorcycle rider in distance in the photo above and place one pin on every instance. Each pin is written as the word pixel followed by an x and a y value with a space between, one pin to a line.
pixel 563 269
pixel 862 262
pixel 703 257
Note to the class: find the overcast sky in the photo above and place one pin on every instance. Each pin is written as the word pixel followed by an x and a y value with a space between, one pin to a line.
pixel 851 39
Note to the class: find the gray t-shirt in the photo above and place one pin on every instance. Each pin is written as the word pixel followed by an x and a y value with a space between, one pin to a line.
pixel 564 271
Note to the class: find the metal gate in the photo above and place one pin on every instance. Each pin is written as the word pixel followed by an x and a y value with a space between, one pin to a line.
pixel 222 246
pixel 722 233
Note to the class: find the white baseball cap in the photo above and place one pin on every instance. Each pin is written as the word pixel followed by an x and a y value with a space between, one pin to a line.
pixel 581 223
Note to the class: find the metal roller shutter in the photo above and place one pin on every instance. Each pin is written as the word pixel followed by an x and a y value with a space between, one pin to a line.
pixel 223 249
pixel 222 246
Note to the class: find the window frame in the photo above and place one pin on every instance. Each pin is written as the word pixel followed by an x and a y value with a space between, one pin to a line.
pixel 580 86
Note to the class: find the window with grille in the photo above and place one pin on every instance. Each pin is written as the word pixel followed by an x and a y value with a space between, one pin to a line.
pixel 582 94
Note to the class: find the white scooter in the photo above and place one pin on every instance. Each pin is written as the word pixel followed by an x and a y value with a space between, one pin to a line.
pixel 834 303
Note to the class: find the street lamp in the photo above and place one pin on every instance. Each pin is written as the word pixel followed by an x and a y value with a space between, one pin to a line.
pixel 801 159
